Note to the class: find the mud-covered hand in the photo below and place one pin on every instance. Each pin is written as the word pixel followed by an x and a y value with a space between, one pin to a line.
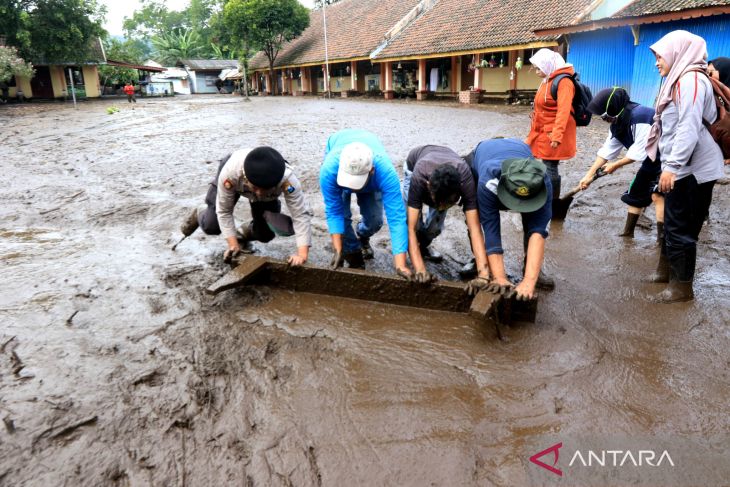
pixel 500 286
pixel 423 277
pixel 524 291
pixel 230 254
pixel 295 260
pixel 476 285
pixel 610 167
pixel 405 273
pixel 337 260
pixel 586 181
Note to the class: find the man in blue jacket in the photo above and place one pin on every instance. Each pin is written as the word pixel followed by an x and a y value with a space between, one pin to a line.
pixel 509 179
pixel 356 162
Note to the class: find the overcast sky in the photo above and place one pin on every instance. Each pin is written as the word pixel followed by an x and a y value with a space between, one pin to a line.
pixel 117 10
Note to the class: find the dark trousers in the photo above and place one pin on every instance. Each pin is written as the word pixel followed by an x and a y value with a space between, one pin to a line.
pixel 685 209
pixel 554 174
pixel 258 229
pixel 131 98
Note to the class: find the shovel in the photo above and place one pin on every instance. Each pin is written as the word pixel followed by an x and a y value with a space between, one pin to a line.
pixel 560 206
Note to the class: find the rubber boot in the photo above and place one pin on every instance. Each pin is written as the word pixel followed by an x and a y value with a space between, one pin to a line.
pixel 431 255
pixel 676 292
pixel 469 270
pixel 661 274
pixel 628 231
pixel 190 224
pixel 244 235
pixel 355 260
pixel 682 270
pixel 660 233
pixel 367 250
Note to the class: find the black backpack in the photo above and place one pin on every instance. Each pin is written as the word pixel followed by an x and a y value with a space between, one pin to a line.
pixel 581 99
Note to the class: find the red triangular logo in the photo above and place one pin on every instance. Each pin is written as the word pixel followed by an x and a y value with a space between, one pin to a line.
pixel 555 449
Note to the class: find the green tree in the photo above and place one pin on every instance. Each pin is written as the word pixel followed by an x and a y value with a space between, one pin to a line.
pixel 179 44
pixel 153 19
pixel 223 52
pixel 267 24
pixel 63 30
pixel 11 64
pixel 129 51
pixel 14 22
pixel 52 30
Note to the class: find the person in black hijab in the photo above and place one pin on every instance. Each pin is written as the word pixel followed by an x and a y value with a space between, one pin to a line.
pixel 629 129
pixel 719 69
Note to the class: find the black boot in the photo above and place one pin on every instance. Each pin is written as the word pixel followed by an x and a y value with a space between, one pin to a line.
pixel 431 255
pixel 628 231
pixel 660 233
pixel 244 235
pixel 469 270
pixel 682 269
pixel 661 274
pixel 190 224
pixel 367 250
pixel 355 260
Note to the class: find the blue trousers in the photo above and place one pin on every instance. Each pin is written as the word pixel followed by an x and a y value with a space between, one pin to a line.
pixel 371 211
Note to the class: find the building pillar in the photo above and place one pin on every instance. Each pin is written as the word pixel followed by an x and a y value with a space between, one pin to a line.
pixel 513 71
pixel 269 83
pixel 422 81
pixel 477 69
pixel 353 75
pixel 388 92
pixel 305 80
pixel 325 73
pixel 455 75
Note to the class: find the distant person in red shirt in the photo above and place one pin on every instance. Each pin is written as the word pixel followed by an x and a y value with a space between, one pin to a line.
pixel 129 91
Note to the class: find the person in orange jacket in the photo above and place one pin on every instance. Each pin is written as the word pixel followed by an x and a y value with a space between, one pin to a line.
pixel 129 91
pixel 552 133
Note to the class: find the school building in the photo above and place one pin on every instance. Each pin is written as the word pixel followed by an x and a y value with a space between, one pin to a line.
pixel 55 80
pixel 395 48
pixel 609 43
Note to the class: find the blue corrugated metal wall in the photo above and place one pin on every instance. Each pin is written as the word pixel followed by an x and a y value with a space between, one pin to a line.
pixel 646 81
pixel 604 58
pixel 608 57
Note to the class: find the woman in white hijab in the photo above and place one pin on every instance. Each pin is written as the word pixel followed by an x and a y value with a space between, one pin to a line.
pixel 691 160
pixel 552 132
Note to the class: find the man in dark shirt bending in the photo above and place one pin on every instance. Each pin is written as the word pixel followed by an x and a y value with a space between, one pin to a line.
pixel 509 179
pixel 439 178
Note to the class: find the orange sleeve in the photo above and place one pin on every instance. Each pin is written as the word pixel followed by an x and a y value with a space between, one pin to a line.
pixel 566 91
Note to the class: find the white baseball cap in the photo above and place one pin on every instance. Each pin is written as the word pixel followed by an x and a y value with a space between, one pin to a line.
pixel 356 161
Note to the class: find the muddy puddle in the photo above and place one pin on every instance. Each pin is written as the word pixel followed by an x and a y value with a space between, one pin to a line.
pixel 117 369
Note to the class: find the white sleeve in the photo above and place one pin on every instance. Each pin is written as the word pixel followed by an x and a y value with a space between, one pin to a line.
pixel 611 148
pixel 225 202
pixel 637 151
pixel 300 211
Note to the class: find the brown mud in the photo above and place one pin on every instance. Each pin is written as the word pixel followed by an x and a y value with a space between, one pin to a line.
pixel 117 369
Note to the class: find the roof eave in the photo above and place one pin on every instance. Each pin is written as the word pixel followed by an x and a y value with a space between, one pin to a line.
pixel 638 20
pixel 513 47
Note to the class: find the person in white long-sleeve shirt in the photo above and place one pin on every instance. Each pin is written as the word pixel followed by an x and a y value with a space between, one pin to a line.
pixel 261 175
pixel 629 129
pixel 691 160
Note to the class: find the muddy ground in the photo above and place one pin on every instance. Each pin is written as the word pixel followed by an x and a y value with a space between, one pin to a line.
pixel 117 369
